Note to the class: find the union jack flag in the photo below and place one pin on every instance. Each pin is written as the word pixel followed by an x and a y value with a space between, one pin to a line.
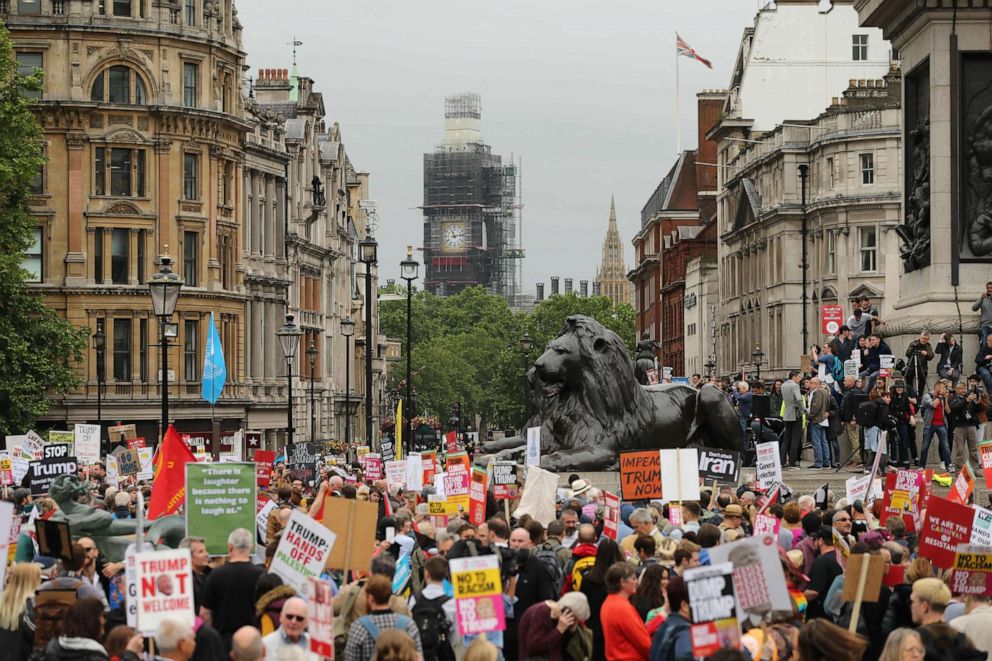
pixel 686 51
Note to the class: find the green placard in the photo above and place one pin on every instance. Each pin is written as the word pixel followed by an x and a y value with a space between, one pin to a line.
pixel 219 498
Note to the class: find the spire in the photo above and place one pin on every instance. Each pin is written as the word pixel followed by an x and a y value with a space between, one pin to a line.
pixel 613 210
pixel 294 93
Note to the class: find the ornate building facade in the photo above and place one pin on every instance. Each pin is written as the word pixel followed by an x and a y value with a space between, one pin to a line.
pixel 611 276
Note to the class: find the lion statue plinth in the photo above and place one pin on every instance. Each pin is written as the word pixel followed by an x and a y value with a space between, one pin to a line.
pixel 590 406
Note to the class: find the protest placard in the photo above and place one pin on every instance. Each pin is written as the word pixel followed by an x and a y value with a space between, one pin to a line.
pixel 679 474
pixel 768 467
pixel 963 485
pixel 873 567
pixel 131 581
pixel 220 498
pixel 128 462
pixel 164 581
pixel 456 489
pixel 42 473
pixel 14 441
pixel 63 437
pixel 719 465
pixel 533 446
pixel 303 551
pixel 948 525
pixel 373 466
pixel 387 449
pixel 120 433
pixel 504 480
pixel 57 450
pixel 759 584
pixel 301 460
pixel 851 368
pixel 857 487
pixel 985 456
pixel 361 452
pixel 453 461
pixel 6 470
pixel 640 475
pixel 429 460
pixel 320 617
pixel 438 508
pixel 477 497
pixel 264 460
pixel 478 594
pixel 675 515
pixel 538 497
pixel 136 443
pixel 263 509
pixel 34 445
pixel 451 442
pixel 766 524
pixel 713 606
pixel 611 515
pixel 414 472
pixel 981 527
pixel 396 474
pixel 903 497
pixel 145 457
pixel 354 522
pixel 972 571
pixel 6 524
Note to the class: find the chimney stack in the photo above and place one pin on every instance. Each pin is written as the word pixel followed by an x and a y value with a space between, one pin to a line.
pixel 584 288
pixel 568 285
pixel 540 292
pixel 554 285
pixel 596 289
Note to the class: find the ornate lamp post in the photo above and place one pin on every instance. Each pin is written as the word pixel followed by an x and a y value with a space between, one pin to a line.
pixel 367 249
pixel 289 338
pixel 164 288
pixel 757 356
pixel 710 366
pixel 100 344
pixel 526 344
pixel 409 268
pixel 347 330
pixel 312 355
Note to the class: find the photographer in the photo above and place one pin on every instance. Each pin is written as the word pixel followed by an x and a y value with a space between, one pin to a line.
pixel 935 414
pixel 918 354
pixel 882 420
pixel 964 415
pixel 984 362
pixel 984 403
pixel 903 438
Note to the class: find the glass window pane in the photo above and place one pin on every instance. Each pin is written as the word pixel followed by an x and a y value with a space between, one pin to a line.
pixel 118 256
pixel 99 172
pixel 96 92
pixel 190 188
pixel 120 85
pixel 32 257
pixel 98 255
pixel 120 171
pixel 122 7
pixel 139 91
pixel 190 363
pixel 29 7
pixel 27 64
pixel 140 171
pixel 190 12
pixel 190 241
pixel 189 85
pixel 141 256
pixel 122 349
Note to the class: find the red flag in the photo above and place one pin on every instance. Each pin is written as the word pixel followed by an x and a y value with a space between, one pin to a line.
pixel 169 490
pixel 683 49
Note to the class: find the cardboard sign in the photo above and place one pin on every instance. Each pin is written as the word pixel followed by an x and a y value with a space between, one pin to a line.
pixel 34 445
pixel 396 474
pixel 128 462
pixel 985 456
pixel 873 583
pixel 219 498
pixel 948 525
pixel 43 473
pixel 533 446
pixel 301 459
pixel 478 594
pixel 54 539
pixel 165 588
pixel 972 571
pixel 640 475
pixel 353 522
pixel 303 551
pixel 504 479
pixel 320 617
pixel 264 460
pixel 373 466
pixel 120 433
pixel 759 584
pixel 611 515
pixel 832 317
pixel 769 466
pixel 438 508
pixel 963 485
pixel 679 474
pixel 60 436
pixel 981 527
pixel 719 465
pixel 766 524
pixel 714 608
pixel 477 497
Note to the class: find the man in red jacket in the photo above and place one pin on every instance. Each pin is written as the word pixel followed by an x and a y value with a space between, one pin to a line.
pixel 624 634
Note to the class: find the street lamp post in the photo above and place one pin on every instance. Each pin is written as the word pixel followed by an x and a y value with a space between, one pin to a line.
pixel 526 344
pixel 289 338
pixel 368 248
pixel 164 288
pixel 757 356
pixel 100 344
pixel 409 268
pixel 312 355
pixel 347 330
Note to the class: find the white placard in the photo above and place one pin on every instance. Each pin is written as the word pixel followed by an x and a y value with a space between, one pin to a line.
pixel 414 471
pixel 533 446
pixel 113 473
pixel 237 444
pixel 15 441
pixel 768 465
pixel 262 519
pixel 302 551
pixel 439 484
pixel 851 368
pixel 130 582
pixel 34 445
pixel 981 527
pixel 680 474
pixel 145 456
pixel 164 582
pixel 6 522
pixel 396 474
pixel 87 439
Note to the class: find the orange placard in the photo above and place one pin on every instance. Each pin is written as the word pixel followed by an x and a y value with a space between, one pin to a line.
pixel 640 475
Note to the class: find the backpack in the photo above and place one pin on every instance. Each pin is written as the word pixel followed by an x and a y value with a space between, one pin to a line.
pixel 432 622
pixel 866 413
pixel 50 613
pixel 581 567
pixel 340 630
pixel 837 370
pixel 369 625
pixel 549 558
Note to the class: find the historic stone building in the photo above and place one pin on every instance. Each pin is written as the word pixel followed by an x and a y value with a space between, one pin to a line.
pixel 143 121
pixel 611 276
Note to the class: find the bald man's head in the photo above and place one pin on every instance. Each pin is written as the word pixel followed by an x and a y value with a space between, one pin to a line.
pixel 246 645
pixel 587 534
pixel 293 619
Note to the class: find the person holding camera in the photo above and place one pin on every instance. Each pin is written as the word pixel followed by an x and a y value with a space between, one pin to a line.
pixel 964 415
pixel 936 411
pixel 985 305
pixel 918 354
pixel 949 363
pixel 984 362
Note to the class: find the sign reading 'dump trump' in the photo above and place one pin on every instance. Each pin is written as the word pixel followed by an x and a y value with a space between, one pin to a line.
pixel 720 465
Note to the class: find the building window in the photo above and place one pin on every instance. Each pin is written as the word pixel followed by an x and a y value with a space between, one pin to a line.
pixel 143 349
pixel 119 84
pixel 127 172
pixel 27 65
pixel 140 256
pixel 830 173
pixel 867 169
pixel 122 349
pixel 860 47
pixel 119 256
pixel 190 245
pixel 32 261
pixel 868 240
pixel 190 74
pixel 98 255
pixel 190 7
pixel 831 252
pixel 122 8
pixel 191 185
pixel 38 183
pixel 29 7
pixel 190 342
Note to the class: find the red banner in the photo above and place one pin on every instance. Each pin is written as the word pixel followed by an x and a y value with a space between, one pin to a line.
pixel 963 485
pixel 477 497
pixel 611 519
pixel 947 525
pixel 905 491
pixel 263 466
pixel 985 453
pixel 451 442
pixel 832 317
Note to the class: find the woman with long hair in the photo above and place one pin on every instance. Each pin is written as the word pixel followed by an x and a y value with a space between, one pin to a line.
pixel 82 631
pixel 594 588
pixel 650 593
pixel 16 610
pixel 903 644
pixel 395 645
pixel 820 640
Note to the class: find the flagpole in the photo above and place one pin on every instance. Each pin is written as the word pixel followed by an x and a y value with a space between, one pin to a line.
pixel 678 106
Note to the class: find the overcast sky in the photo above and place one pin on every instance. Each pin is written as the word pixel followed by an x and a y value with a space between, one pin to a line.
pixel 581 90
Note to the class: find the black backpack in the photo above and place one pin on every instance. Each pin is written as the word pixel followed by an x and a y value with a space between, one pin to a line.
pixel 432 622
pixel 866 413
pixel 548 557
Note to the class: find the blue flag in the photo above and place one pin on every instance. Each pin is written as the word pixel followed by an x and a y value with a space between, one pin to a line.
pixel 214 368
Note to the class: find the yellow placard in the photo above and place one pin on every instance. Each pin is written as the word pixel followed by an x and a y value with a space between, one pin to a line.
pixel 480 583
pixel 899 500
pixel 438 507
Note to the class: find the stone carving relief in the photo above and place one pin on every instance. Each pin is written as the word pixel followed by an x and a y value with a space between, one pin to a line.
pixel 124 136
pixel 915 230
pixel 976 175
pixel 122 209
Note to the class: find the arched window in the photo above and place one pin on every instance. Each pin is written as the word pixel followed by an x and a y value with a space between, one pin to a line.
pixel 119 84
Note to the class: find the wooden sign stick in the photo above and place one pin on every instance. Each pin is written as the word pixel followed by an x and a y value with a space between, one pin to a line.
pixel 859 595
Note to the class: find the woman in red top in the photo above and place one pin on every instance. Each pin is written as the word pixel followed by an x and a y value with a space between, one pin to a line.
pixel 624 633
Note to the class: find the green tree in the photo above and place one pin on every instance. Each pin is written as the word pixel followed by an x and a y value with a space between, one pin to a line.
pixel 37 347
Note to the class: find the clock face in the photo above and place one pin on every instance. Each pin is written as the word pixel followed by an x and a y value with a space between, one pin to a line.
pixel 453 236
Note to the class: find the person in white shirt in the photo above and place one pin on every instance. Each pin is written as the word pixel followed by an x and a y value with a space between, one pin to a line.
pixel 292 631
pixel 977 622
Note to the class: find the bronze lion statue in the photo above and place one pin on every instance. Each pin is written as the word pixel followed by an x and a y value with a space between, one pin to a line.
pixel 590 407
